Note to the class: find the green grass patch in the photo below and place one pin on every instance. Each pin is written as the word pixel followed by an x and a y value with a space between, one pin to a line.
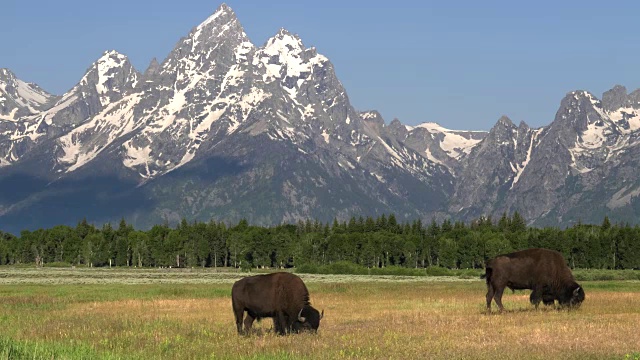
pixel 605 275
pixel 348 268
pixel 29 350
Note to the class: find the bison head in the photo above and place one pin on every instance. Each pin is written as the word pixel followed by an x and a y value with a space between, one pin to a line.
pixel 308 319
pixel 572 296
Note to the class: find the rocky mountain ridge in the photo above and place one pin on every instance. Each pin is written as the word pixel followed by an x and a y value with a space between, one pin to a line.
pixel 226 129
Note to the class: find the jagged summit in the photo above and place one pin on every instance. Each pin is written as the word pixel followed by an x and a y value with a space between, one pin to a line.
pixel 222 24
pixel 19 98
pixel 152 69
pixel 284 33
pixel 581 94
pixel 283 42
pixel 505 121
pixel 222 15
pixel 112 75
pixel 6 72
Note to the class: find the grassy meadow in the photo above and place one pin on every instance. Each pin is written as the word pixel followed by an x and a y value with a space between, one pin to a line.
pixel 175 314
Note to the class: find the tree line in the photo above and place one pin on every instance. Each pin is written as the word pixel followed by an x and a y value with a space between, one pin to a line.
pixel 366 241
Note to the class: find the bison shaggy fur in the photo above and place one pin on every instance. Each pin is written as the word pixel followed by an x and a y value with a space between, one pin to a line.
pixel 543 271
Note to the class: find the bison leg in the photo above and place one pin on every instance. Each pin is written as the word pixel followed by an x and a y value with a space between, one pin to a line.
pixel 490 293
pixel 536 296
pixel 248 322
pixel 238 312
pixel 498 297
pixel 280 323
pixel 548 299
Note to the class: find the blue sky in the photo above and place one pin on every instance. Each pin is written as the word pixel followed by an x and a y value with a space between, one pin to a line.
pixel 462 64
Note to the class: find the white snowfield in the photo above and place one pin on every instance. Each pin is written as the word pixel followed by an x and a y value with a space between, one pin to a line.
pixel 454 142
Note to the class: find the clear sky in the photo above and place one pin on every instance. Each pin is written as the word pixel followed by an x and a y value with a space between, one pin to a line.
pixel 462 64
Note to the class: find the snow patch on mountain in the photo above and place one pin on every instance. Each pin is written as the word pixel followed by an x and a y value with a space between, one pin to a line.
pixel 520 167
pixel 135 157
pixel 11 116
pixel 627 114
pixel 325 135
pixel 432 158
pixel 31 95
pixel 113 123
pixel 371 115
pixel 453 143
pixel 594 137
pixel 288 49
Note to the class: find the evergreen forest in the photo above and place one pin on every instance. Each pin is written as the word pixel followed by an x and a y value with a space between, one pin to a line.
pixel 364 241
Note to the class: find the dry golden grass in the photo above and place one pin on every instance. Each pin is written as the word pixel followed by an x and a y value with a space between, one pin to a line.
pixel 363 320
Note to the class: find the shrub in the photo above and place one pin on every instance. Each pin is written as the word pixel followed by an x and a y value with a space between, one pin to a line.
pixel 348 268
pixel 438 271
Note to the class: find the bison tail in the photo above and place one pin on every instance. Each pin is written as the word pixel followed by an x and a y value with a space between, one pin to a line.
pixel 487 275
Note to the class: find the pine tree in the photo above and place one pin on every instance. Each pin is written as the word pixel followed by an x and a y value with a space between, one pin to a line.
pixel 517 223
pixel 503 223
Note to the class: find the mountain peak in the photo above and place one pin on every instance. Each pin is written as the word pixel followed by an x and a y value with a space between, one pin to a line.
pixel 111 75
pixel 152 69
pixel 523 125
pixel 580 94
pixel 20 98
pixel 112 53
pixel 505 121
pixel 281 40
pixel 5 72
pixel 222 25
pixel 282 33
pixel 615 98
pixel 578 98
pixel 110 59
pixel 223 14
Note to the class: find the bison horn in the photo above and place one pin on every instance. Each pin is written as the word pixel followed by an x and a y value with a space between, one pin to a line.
pixel 576 291
pixel 300 317
pixel 321 314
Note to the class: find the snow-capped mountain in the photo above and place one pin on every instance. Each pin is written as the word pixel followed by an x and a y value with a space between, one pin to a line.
pixel 104 83
pixel 578 168
pixel 19 98
pixel 219 123
pixel 226 129
pixel 582 167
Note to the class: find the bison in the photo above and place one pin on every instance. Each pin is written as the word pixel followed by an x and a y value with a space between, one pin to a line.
pixel 281 296
pixel 543 271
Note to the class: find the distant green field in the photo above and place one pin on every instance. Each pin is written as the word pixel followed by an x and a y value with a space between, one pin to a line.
pixel 64 313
